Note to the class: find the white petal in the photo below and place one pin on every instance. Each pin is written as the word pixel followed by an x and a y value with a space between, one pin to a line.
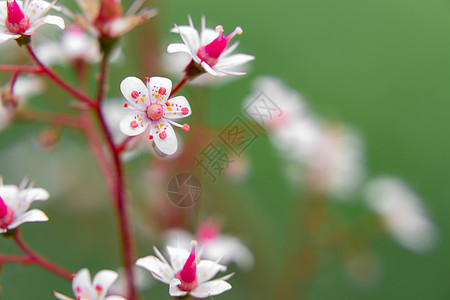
pixel 27 196
pixel 60 296
pixel 211 70
pixel 164 136
pixel 135 91
pixel 81 281
pixel 189 35
pixel 178 257
pixel 115 298
pixel 134 123
pixel 7 36
pixel 160 270
pixel 9 194
pixel 160 89
pixel 36 9
pixel 209 35
pixel 105 279
pixel 210 288
pixel 174 290
pixel 178 47
pixel 229 49
pixel 207 269
pixel 52 20
pixel 178 108
pixel 229 249
pixel 34 215
pixel 178 238
pixel 233 60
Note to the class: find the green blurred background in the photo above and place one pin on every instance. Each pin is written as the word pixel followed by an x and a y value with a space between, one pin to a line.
pixel 381 66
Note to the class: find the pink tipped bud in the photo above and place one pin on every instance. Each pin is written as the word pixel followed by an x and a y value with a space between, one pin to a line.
pixel 188 275
pixel 210 53
pixel 16 21
pixel 109 11
pixel 6 214
pixel 207 231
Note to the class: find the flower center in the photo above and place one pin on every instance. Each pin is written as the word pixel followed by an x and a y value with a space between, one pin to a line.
pixel 155 111
pixel 210 53
pixel 16 21
pixel 188 275
pixel 6 214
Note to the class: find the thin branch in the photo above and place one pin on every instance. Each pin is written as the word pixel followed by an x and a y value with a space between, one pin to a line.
pixel 21 69
pixel 39 260
pixel 58 80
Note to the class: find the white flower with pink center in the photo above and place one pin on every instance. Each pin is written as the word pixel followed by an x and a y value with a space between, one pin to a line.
pixel 14 204
pixel 152 107
pixel 186 273
pixel 25 17
pixel 209 48
pixel 97 289
pixel 214 244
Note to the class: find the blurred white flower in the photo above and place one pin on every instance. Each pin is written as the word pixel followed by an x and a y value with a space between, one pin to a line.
pixel 209 49
pixel 14 204
pixel 105 18
pixel 186 274
pixel 327 157
pixel 402 212
pixel 85 289
pixel 75 45
pixel 25 17
pixel 151 107
pixel 214 245
pixel 142 280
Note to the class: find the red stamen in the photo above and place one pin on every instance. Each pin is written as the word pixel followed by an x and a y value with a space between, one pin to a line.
pixel 17 21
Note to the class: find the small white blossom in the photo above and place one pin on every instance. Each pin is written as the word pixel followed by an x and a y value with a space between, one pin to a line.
pixel 14 204
pixel 151 107
pixel 25 17
pixel 208 48
pixel 186 274
pixel 85 289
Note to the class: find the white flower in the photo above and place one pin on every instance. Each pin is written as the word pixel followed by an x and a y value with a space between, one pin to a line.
pixel 150 106
pixel 402 212
pixel 14 204
pixel 25 17
pixel 75 46
pixel 85 289
pixel 214 245
pixel 209 48
pixel 105 18
pixel 186 274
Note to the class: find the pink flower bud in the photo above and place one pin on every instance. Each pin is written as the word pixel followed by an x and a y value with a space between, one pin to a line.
pixel 211 52
pixel 6 214
pixel 16 21
pixel 188 275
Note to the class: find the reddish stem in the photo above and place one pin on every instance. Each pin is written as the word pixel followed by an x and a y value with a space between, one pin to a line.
pixel 121 201
pixel 179 85
pixel 123 145
pixel 23 260
pixel 55 119
pixel 58 80
pixel 35 258
pixel 21 69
